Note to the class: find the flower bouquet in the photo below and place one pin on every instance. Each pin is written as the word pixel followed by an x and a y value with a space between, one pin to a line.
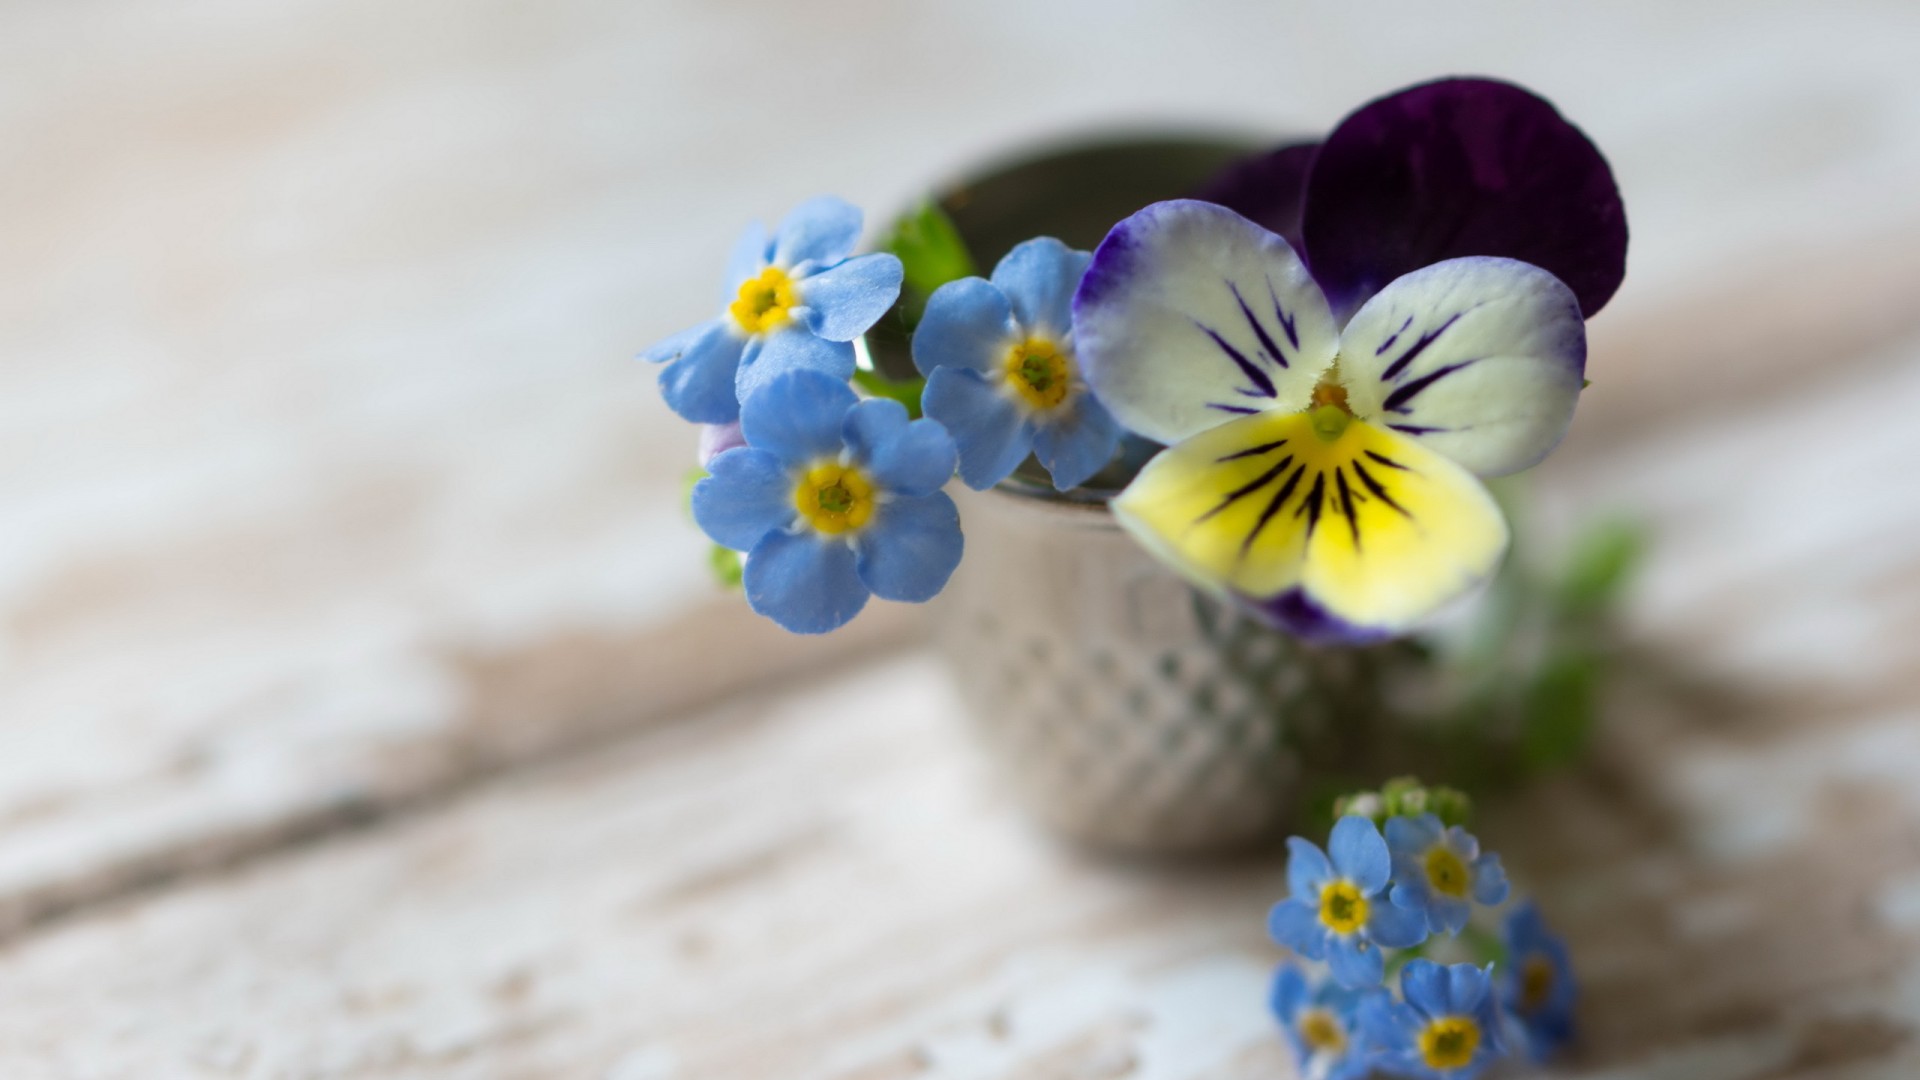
pixel 1228 444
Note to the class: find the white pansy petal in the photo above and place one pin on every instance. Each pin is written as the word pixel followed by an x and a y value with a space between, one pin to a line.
pixel 1191 316
pixel 1480 359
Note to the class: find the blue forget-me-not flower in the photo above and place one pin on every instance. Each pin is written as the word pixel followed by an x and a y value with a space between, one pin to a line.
pixel 1001 371
pixel 1539 989
pixel 793 300
pixel 832 499
pixel 1339 911
pixel 1440 872
pixel 1318 1017
pixel 1445 1028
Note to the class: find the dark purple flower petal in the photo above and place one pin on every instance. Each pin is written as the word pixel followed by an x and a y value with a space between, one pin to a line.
pixel 1461 167
pixel 1266 188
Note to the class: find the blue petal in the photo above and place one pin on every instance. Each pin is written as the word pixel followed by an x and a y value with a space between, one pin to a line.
pixel 698 383
pixel 1296 924
pixel 968 325
pixel 1354 962
pixel 793 349
pixel 1039 278
pixel 911 547
pixel 1409 887
pixel 992 436
pixel 749 256
pixel 1463 843
pixel 1307 869
pixel 820 231
pixel 1412 836
pixel 1359 853
pixel 804 581
pixel 798 417
pixel 1385 1021
pixel 841 303
pixel 1290 991
pixel 748 495
pixel 679 343
pixel 1489 880
pixel 1445 914
pixel 1396 927
pixel 907 458
pixel 1467 988
pixel 1077 442
pixel 1424 983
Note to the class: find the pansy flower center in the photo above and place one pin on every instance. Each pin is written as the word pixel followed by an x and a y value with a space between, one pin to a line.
pixel 1040 373
pixel 1329 412
pixel 1446 872
pixel 1536 983
pixel 1320 1030
pixel 1342 909
pixel 834 498
pixel 1449 1042
pixel 765 302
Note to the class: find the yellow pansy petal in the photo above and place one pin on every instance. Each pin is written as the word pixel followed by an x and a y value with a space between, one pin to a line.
pixel 1327 525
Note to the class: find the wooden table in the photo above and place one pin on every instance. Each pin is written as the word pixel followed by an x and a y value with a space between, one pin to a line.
pixel 366 713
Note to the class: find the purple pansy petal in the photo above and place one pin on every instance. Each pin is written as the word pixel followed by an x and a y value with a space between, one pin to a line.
pixel 1461 167
pixel 819 232
pixel 911 547
pixel 842 302
pixel 1396 927
pixel 1359 853
pixel 968 326
pixel 1076 442
pixel 1307 869
pixel 798 417
pixel 789 350
pixel 1355 962
pixel 698 382
pixel 1299 614
pixel 1479 358
pixel 1039 278
pixel 1267 188
pixel 803 581
pixel 907 457
pixel 750 254
pixel 1426 986
pixel 1190 316
pixel 1296 924
pixel 748 495
pixel 992 436
pixel 1489 880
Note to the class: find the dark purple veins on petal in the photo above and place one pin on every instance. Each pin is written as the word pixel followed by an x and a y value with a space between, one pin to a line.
pixel 1393 337
pixel 1346 505
pixel 1241 410
pixel 1416 429
pixel 1273 508
pixel 1247 367
pixel 1286 320
pixel 1387 461
pixel 1366 478
pixel 1266 340
pixel 1311 505
pixel 1397 401
pixel 1414 350
pixel 1247 488
pixel 1254 451
pixel 1454 168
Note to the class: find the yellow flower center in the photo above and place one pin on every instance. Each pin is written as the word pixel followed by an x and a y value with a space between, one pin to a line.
pixel 1342 909
pixel 1328 412
pixel 765 302
pixel 1040 373
pixel 834 498
pixel 1446 873
pixel 1320 1031
pixel 1449 1042
pixel 1536 983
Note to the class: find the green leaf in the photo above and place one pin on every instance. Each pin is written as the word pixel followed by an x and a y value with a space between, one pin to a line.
pixel 904 391
pixel 931 254
pixel 726 566
pixel 1561 704
pixel 1601 565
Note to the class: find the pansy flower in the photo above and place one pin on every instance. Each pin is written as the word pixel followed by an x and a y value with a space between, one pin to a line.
pixel 1327 416
pixel 793 300
pixel 1002 374
pixel 1441 872
pixel 1318 1017
pixel 1539 989
pixel 1446 1028
pixel 832 499
pixel 1338 910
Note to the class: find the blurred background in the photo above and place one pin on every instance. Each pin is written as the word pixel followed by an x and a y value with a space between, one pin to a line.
pixel 330 491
